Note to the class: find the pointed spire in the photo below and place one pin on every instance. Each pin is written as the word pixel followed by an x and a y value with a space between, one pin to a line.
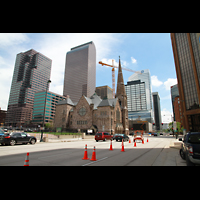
pixel 120 81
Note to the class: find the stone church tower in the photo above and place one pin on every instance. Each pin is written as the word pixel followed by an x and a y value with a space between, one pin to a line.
pixel 122 97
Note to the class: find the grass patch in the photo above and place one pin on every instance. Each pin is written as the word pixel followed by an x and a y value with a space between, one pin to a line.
pixel 59 133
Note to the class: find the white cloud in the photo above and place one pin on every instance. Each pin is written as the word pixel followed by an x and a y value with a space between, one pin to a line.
pixel 9 39
pixel 155 82
pixel 133 60
pixel 170 82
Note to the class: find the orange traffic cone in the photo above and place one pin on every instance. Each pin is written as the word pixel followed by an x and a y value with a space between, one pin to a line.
pixel 134 144
pixel 142 141
pixel 85 154
pixel 26 163
pixel 111 149
pixel 147 140
pixel 129 140
pixel 122 146
pixel 93 155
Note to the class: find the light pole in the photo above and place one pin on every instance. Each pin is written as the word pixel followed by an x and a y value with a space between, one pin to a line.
pixel 41 140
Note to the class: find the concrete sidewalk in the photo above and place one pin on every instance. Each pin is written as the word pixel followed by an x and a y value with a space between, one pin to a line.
pixel 169 157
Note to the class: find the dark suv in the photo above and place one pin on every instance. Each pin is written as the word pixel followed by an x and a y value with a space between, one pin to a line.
pixel 190 150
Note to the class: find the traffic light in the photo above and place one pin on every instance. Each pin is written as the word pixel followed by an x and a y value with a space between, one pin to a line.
pixel 154 124
pixel 162 124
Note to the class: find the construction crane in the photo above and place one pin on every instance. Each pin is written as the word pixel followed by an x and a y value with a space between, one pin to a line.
pixel 113 74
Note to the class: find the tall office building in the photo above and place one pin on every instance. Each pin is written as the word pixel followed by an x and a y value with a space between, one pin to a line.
pixel 38 107
pixel 186 50
pixel 157 111
pixel 80 72
pixel 174 94
pixel 139 99
pixel 31 73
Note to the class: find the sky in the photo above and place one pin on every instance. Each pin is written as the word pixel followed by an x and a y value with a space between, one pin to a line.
pixel 137 51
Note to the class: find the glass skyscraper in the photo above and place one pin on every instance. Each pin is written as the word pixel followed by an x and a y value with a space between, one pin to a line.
pixel 38 106
pixel 186 50
pixel 31 73
pixel 139 99
pixel 80 72
pixel 157 111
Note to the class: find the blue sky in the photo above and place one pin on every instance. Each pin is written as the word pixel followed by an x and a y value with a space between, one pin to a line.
pixel 137 51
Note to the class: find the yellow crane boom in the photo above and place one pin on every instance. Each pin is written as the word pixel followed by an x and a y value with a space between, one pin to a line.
pixel 113 73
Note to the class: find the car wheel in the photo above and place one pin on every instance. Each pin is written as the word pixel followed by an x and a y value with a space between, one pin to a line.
pixel 12 142
pixel 182 154
pixel 97 140
pixel 32 141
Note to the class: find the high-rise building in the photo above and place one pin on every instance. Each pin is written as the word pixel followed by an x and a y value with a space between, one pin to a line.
pixel 157 111
pixel 80 72
pixel 105 92
pixel 38 107
pixel 31 73
pixel 174 94
pixel 139 98
pixel 146 78
pixel 186 50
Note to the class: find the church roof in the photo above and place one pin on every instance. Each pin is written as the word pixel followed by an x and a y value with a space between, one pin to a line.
pixel 67 101
pixel 108 102
pixel 94 99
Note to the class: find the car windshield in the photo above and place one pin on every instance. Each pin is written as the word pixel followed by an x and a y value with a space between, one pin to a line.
pixel 194 139
pixel 99 134
pixel 118 134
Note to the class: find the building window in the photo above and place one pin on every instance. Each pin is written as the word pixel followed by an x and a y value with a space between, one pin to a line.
pixel 82 111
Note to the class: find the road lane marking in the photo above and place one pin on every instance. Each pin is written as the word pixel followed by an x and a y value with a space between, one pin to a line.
pixel 94 161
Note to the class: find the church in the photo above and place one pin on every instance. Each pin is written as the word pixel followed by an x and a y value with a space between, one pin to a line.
pixel 94 114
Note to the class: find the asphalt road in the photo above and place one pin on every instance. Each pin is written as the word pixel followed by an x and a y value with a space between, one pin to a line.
pixel 154 153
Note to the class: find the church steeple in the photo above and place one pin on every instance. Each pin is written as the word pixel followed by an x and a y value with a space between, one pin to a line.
pixel 120 82
pixel 121 95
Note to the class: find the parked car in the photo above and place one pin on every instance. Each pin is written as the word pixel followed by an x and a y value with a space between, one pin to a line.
pixel 155 134
pixel 190 149
pixel 103 136
pixel 119 137
pixel 16 138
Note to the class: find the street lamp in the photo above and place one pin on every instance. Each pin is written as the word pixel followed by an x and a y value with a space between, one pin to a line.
pixel 41 140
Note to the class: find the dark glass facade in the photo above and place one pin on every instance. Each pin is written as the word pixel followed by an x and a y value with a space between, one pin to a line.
pixel 80 72
pixel 187 73
pixel 38 106
pixel 31 73
pixel 157 111
pixel 186 50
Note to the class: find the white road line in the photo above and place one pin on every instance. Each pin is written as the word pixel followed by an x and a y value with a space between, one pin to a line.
pixel 94 161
